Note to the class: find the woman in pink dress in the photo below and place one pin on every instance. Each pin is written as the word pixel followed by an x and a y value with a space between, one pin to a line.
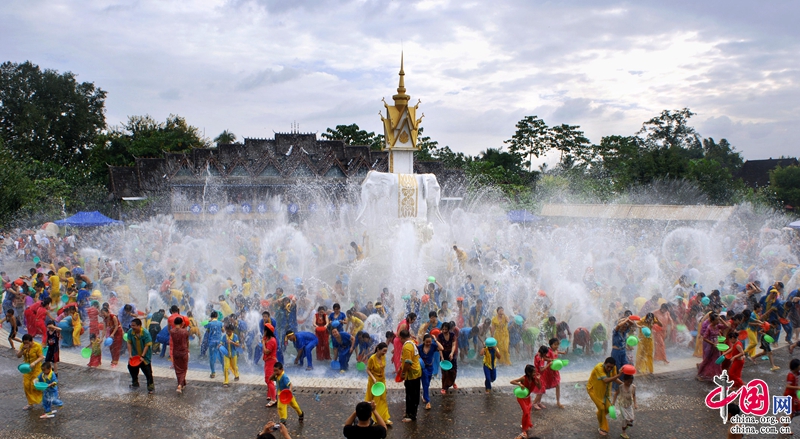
pixel 270 358
pixel 711 329
pixel 659 333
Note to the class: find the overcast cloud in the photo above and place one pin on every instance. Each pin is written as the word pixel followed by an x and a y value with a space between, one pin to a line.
pixel 255 66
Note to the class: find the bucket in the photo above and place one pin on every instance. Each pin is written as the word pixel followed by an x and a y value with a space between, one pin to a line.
pixel 378 389
pixel 285 397
pixel 445 365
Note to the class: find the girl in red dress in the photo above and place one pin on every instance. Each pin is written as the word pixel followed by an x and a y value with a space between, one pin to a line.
pixel 321 330
pixel 531 382
pixel 540 362
pixel 551 379
pixel 735 358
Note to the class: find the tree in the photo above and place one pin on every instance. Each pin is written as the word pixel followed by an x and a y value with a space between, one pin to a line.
pixel 429 150
pixel 142 136
pixel 353 135
pixel 48 119
pixel 572 144
pixel 14 186
pixel 723 153
pixel 670 130
pixel 532 139
pixel 225 138
pixel 786 184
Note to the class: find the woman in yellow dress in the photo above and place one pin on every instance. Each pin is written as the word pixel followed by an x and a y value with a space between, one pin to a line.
pixel 77 327
pixel 644 351
pixel 376 369
pixel 500 333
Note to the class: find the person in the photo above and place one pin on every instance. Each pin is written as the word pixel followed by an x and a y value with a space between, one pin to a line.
pixel 376 370
pixel 793 386
pixel 93 315
pixel 266 432
pixel 500 333
pixel 49 395
pixel 490 356
pixel 429 354
pixel 214 332
pixel 283 383
pixel 529 381
pixel 411 374
pixel 734 410
pixel 31 352
pixel 321 323
pixel 398 344
pixel 449 352
pixel 304 343
pixel 231 356
pixel 541 362
pixel 113 331
pixel 644 351
pixel 599 386
pixel 619 337
pixel 735 357
pixel 342 348
pixel 708 368
pixel 363 429
pixel 179 343
pixel 665 322
pixel 552 378
pixel 174 313
pixel 13 324
pixel 95 360
pixel 270 358
pixel 140 345
pixel 627 403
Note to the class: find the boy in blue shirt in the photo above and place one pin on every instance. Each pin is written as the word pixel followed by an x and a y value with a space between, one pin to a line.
pixel 283 383
pixel 214 331
pixel 231 356
pixel 49 395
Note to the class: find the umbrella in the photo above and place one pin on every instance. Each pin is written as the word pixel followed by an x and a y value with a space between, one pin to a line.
pixel 522 216
pixel 794 225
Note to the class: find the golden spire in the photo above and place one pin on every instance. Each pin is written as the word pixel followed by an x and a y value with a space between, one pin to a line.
pixel 401 98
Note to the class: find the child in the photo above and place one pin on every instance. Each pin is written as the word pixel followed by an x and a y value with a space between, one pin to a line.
pixel 734 410
pixel 194 330
pixel 540 362
pixel 13 323
pixel 50 395
pixel 231 342
pixel 792 386
pixel 627 402
pixel 490 356
pixel 97 355
pixel 529 381
pixel 282 381
pixel 552 378
pixel 53 344
pixel 766 349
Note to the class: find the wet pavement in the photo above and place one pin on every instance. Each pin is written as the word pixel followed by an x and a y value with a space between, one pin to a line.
pixel 98 404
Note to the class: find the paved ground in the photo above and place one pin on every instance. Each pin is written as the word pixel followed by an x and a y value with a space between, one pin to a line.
pixel 99 405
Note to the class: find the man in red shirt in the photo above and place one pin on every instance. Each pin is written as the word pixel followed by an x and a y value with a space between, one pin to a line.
pixel 174 313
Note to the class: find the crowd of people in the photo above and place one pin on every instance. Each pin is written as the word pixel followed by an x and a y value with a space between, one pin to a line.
pixel 68 301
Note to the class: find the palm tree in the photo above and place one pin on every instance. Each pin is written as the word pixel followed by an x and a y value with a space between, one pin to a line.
pixel 225 137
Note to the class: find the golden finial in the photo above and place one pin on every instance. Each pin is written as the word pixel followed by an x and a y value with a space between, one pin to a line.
pixel 401 98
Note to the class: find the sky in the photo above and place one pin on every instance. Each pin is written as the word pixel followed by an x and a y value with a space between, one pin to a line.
pixel 255 67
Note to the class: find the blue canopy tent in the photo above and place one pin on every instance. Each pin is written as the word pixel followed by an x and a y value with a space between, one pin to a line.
pixel 87 219
pixel 522 216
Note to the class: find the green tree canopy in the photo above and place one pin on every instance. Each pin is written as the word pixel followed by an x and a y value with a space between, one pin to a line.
pixel 225 138
pixel 353 135
pixel 48 119
pixel 786 184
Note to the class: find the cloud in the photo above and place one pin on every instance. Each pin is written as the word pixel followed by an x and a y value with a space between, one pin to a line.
pixel 254 66
pixel 268 77
pixel 173 94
